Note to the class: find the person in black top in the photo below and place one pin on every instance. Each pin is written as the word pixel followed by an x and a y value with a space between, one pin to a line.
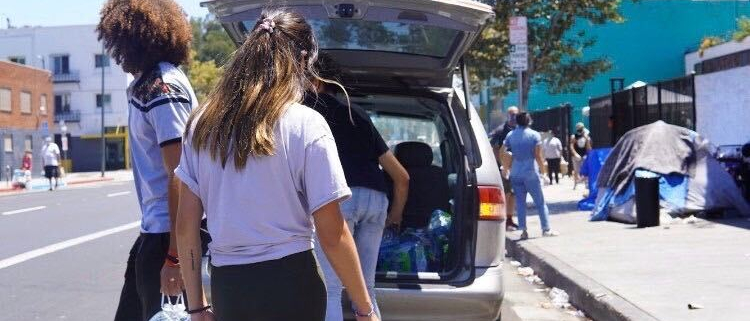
pixel 497 137
pixel 362 152
pixel 580 145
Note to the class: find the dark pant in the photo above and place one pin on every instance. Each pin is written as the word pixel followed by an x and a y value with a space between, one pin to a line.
pixel 141 296
pixel 553 166
pixel 289 288
pixel 51 171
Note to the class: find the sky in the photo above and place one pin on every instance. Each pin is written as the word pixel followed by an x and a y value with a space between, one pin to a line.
pixel 67 12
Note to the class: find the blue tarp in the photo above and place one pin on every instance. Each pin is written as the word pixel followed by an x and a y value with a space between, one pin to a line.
pixel 673 190
pixel 590 168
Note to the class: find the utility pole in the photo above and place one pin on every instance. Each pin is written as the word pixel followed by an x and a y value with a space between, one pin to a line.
pixel 104 146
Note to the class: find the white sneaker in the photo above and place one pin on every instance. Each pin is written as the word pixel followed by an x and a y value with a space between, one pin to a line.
pixel 550 233
pixel 524 235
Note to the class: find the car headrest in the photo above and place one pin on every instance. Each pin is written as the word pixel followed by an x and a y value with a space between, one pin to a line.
pixel 414 154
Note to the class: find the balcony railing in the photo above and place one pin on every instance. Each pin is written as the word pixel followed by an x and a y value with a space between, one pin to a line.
pixel 70 76
pixel 72 116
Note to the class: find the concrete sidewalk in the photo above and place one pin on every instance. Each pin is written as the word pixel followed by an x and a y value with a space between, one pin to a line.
pixel 614 271
pixel 69 180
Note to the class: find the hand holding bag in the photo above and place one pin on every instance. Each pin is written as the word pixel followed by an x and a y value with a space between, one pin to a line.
pixel 172 311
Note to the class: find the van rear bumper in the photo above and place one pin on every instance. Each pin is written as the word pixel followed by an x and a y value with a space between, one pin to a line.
pixel 479 301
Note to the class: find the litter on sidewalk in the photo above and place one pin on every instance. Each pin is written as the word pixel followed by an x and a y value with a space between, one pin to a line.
pixel 559 298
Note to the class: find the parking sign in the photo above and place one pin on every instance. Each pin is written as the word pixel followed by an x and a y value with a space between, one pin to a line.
pixel 518 30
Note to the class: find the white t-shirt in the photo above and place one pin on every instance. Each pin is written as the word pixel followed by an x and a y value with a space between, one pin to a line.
pixel 552 148
pixel 50 154
pixel 264 211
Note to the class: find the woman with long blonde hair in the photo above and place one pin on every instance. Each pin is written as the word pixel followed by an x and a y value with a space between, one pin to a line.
pixel 263 167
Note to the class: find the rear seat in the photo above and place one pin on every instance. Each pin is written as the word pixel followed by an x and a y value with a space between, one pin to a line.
pixel 428 184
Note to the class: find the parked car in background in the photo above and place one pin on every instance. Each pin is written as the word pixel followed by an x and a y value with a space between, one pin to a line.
pixel 399 59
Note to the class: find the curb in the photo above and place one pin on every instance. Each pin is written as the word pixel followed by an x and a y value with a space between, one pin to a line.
pixel 93 180
pixel 597 301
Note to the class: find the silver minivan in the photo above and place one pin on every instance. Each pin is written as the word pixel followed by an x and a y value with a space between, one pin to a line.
pixel 402 62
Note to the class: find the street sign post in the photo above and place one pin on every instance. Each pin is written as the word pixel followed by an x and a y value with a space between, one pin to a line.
pixel 519 53
pixel 518 30
pixel 519 57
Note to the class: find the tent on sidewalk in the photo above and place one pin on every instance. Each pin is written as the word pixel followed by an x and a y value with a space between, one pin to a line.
pixel 691 179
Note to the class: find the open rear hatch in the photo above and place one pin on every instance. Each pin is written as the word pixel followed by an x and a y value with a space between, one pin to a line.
pixel 393 42
pixel 397 46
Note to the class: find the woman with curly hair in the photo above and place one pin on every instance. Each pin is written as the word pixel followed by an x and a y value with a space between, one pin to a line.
pixel 264 169
pixel 151 39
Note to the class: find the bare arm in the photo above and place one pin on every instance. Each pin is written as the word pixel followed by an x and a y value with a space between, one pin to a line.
pixel 539 158
pixel 400 178
pixel 338 245
pixel 571 147
pixel 171 157
pixel 506 159
pixel 189 245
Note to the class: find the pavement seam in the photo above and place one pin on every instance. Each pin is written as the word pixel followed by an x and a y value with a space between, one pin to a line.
pixel 596 300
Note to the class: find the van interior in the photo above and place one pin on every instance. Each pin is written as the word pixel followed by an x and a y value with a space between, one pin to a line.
pixel 418 131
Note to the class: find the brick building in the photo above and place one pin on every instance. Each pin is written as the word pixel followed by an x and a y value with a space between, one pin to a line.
pixel 26 113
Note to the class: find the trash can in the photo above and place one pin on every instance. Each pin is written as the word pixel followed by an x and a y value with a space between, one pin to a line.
pixel 647 199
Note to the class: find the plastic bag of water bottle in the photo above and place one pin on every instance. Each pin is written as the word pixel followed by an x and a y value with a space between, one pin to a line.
pixel 172 311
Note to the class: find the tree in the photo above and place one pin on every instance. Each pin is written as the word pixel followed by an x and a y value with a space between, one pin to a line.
pixel 212 47
pixel 555 52
pixel 203 75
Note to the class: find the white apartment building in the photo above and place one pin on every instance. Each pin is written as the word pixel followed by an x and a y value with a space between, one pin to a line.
pixel 722 92
pixel 74 57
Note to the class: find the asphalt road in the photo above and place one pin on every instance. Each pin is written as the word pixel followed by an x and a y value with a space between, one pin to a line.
pixel 63 256
pixel 60 258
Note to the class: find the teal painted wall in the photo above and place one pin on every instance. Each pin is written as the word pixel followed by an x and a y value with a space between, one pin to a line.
pixel 649 46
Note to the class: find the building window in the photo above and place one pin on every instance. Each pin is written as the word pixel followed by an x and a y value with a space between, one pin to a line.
pixel 25 102
pixel 101 61
pixel 43 105
pixel 61 65
pixel 5 100
pixel 107 101
pixel 62 103
pixel 8 143
pixel 18 60
pixel 28 143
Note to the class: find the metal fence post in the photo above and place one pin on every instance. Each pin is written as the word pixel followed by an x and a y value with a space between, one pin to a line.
pixel 658 100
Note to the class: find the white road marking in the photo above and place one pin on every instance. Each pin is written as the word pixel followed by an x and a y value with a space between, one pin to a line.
pixel 24 210
pixel 118 194
pixel 23 257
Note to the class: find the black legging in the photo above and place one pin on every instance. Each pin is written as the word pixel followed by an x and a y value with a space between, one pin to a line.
pixel 553 166
pixel 289 288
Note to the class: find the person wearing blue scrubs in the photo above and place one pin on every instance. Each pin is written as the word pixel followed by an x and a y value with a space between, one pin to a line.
pixel 526 162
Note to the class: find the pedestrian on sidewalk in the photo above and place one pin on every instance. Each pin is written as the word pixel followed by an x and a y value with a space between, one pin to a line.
pixel 580 145
pixel 362 152
pixel 526 164
pixel 51 162
pixel 503 158
pixel 26 167
pixel 265 168
pixel 553 154
pixel 150 39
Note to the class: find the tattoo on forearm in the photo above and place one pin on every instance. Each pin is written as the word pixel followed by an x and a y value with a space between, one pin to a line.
pixel 192 260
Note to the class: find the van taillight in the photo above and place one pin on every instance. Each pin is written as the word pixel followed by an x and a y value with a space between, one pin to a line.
pixel 491 204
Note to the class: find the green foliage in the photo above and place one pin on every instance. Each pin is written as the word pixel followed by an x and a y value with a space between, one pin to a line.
pixel 709 42
pixel 555 53
pixel 212 47
pixel 204 75
pixel 743 29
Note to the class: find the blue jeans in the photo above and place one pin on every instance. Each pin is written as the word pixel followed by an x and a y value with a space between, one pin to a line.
pixel 365 214
pixel 529 183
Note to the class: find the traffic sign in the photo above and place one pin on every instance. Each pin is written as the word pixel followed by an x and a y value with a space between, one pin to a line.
pixel 518 30
pixel 519 57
